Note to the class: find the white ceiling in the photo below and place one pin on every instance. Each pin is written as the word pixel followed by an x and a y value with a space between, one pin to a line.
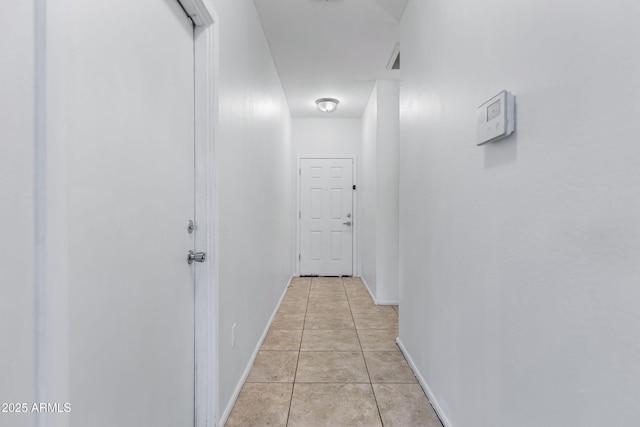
pixel 331 49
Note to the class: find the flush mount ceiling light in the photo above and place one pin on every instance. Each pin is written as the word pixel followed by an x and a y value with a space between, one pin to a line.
pixel 327 105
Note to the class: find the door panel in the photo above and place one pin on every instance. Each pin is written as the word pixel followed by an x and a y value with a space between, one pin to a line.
pixel 326 204
pixel 131 181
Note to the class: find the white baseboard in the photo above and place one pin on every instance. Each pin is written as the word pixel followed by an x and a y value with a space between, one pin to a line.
pixel 375 301
pixel 245 374
pixel 423 383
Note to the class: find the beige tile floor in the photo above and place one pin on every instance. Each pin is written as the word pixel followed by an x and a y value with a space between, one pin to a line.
pixel 330 359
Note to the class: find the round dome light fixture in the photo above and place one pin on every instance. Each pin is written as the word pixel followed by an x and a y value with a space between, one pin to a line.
pixel 327 105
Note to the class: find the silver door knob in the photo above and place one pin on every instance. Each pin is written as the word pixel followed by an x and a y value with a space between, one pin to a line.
pixel 196 256
pixel 347 223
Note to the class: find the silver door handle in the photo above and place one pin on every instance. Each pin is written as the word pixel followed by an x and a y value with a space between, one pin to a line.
pixel 196 256
pixel 347 223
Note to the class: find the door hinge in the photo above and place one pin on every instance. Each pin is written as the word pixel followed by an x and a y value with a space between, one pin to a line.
pixel 299 257
pixel 354 186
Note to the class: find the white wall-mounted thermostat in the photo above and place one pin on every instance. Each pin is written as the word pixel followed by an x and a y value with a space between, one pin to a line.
pixel 496 118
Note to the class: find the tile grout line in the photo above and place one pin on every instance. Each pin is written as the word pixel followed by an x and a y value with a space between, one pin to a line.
pixel 363 358
pixel 293 385
pixel 334 382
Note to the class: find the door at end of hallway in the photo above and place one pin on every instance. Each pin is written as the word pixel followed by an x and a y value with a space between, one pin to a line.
pixel 325 217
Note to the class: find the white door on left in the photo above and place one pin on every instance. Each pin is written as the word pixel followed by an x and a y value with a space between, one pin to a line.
pixel 131 191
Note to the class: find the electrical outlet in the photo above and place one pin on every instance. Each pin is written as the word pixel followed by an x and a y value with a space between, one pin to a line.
pixel 233 335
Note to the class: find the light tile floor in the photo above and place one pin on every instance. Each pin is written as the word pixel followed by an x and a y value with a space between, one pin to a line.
pixel 330 359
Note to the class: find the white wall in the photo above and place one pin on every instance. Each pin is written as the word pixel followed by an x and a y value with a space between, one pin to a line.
pixel 519 259
pixel 330 137
pixel 17 209
pixel 255 191
pixel 388 142
pixel 378 193
pixel 367 194
pixel 325 137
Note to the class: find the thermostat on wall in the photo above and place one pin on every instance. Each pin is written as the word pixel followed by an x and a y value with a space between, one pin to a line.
pixel 496 118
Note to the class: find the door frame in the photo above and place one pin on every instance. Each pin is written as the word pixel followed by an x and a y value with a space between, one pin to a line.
pixel 354 201
pixel 206 55
pixel 51 261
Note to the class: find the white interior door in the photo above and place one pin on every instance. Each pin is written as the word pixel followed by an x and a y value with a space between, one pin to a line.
pixel 326 217
pixel 131 292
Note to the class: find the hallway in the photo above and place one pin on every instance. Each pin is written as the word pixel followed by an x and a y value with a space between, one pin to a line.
pixel 152 162
pixel 330 358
